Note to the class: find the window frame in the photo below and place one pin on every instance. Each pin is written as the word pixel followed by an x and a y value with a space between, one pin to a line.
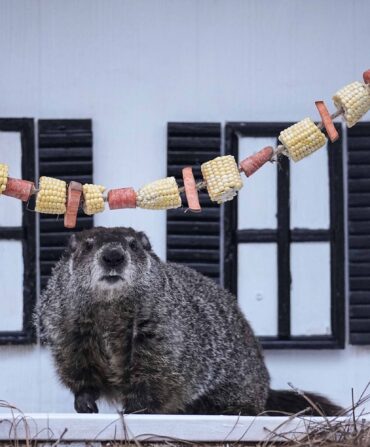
pixel 284 236
pixel 26 233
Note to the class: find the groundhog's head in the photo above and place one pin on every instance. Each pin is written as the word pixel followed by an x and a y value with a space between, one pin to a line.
pixel 109 260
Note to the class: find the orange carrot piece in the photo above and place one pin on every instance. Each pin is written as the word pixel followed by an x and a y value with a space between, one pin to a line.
pixel 366 76
pixel 327 121
pixel 20 189
pixel 73 203
pixel 252 163
pixel 191 191
pixel 121 198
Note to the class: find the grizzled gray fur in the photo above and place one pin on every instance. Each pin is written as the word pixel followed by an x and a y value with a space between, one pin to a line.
pixel 155 337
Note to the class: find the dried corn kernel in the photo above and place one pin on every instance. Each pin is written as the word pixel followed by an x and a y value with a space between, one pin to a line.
pixel 354 99
pixel 93 198
pixel 51 198
pixel 3 177
pixel 159 195
pixel 222 177
pixel 302 138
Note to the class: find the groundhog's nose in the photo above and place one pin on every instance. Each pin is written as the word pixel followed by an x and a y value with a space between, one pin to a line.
pixel 113 257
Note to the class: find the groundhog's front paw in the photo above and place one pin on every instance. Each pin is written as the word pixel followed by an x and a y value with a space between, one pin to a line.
pixel 85 403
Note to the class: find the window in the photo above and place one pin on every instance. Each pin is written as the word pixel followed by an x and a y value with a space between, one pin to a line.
pixel 283 243
pixel 17 236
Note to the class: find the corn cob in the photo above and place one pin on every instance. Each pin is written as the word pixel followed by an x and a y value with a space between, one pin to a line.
pixel 302 138
pixel 222 177
pixel 51 198
pixel 93 198
pixel 3 177
pixel 354 99
pixel 159 195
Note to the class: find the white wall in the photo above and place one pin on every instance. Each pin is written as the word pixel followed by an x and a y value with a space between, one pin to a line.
pixel 134 65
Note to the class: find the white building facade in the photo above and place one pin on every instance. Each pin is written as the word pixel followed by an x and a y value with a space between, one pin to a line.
pixel 132 67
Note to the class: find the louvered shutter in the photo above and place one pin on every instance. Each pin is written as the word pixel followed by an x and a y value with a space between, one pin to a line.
pixel 193 239
pixel 359 232
pixel 65 152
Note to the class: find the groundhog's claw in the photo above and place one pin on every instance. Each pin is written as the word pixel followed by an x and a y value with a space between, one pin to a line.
pixel 85 403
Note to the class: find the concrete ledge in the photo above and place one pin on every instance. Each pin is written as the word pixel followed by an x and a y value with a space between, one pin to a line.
pixel 149 428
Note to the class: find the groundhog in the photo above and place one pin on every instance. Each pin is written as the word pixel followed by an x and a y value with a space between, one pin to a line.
pixel 155 337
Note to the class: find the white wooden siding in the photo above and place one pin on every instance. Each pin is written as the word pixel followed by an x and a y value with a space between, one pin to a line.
pixel 134 65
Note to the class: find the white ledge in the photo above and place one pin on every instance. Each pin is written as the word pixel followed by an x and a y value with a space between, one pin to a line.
pixel 104 427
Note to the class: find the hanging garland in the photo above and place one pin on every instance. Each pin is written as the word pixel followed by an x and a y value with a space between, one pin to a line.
pixel 221 176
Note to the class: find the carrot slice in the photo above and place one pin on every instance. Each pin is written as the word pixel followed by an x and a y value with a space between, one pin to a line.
pixel 73 203
pixel 366 76
pixel 191 191
pixel 327 121
pixel 20 189
pixel 122 198
pixel 252 163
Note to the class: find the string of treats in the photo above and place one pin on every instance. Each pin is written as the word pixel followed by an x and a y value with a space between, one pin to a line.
pixel 221 176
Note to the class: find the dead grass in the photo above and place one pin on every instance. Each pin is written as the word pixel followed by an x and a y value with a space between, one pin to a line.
pixel 347 430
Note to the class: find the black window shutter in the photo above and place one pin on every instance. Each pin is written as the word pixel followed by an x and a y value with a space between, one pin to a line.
pixel 65 152
pixel 193 239
pixel 359 232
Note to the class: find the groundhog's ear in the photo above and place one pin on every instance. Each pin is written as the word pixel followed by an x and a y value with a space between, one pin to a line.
pixel 72 244
pixel 144 241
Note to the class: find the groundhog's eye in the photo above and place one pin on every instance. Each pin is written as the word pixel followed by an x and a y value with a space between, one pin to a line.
pixel 88 244
pixel 133 244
